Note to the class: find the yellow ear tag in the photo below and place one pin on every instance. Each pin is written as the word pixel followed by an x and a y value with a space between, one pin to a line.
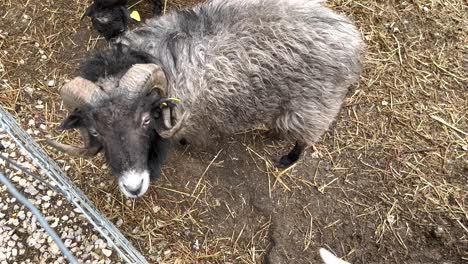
pixel 135 15
pixel 177 100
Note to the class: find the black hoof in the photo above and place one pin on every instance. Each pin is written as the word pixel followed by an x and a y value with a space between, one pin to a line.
pixel 292 156
pixel 183 142
pixel 286 161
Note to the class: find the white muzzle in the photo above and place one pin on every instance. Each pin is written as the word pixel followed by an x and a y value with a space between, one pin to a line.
pixel 134 183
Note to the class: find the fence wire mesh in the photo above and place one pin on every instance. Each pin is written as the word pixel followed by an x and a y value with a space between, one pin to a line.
pixel 72 193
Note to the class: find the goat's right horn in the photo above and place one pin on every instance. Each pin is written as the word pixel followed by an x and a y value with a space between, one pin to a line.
pixel 74 151
pixel 141 78
pixel 90 149
pixel 80 91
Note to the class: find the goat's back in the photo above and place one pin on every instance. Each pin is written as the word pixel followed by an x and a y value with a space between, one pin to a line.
pixel 239 63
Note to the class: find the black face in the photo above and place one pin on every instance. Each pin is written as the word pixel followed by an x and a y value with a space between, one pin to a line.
pixel 127 134
pixel 110 22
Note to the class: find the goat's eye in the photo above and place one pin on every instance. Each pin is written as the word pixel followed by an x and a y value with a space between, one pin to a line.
pixel 93 133
pixel 146 121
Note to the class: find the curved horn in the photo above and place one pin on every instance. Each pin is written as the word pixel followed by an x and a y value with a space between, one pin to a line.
pixel 80 91
pixel 74 151
pixel 140 78
pixel 166 114
pixel 88 151
pixel 76 93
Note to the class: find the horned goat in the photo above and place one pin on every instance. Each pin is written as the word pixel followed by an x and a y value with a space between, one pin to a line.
pixel 233 64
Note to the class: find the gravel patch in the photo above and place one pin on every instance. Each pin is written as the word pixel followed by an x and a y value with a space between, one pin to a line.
pixel 22 239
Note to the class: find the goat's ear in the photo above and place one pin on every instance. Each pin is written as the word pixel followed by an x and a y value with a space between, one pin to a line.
pixel 89 11
pixel 154 97
pixel 74 120
pixel 125 14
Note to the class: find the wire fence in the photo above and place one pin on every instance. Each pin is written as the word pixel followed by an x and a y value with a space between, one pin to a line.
pixel 39 217
pixel 72 193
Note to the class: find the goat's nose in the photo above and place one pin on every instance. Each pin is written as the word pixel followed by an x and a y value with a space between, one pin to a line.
pixel 134 184
pixel 134 190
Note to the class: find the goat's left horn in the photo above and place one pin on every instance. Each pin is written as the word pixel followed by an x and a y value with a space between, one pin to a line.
pixel 141 78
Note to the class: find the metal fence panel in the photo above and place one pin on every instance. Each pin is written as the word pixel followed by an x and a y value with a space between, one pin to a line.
pixel 71 192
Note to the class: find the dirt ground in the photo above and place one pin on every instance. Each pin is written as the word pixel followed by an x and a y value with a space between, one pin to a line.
pixel 387 184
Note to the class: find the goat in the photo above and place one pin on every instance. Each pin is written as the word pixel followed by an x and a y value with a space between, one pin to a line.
pixel 233 64
pixel 110 18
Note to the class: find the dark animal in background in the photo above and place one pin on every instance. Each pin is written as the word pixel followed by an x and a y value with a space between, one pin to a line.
pixel 234 65
pixel 158 7
pixel 110 18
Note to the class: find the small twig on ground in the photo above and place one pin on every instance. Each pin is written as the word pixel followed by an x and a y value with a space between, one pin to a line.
pixel 449 125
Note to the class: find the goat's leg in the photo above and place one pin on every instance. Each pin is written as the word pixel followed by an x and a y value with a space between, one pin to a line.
pixel 293 155
pixel 273 134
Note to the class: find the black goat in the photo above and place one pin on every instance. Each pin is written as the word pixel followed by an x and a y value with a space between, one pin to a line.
pixel 110 18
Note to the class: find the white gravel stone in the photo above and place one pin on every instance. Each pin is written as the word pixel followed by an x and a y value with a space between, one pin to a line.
pixel 23 182
pixel 21 215
pixel 14 221
pixel 54 224
pixel 106 252
pixel 68 242
pixel 119 222
pixel 16 178
pixel 31 190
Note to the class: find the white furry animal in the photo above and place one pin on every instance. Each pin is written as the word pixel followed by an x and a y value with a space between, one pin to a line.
pixel 330 258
